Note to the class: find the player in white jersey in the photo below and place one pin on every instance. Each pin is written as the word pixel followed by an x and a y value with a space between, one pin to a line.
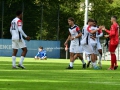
pixel 93 43
pixel 99 34
pixel 85 42
pixel 17 40
pixel 74 36
pixel 80 56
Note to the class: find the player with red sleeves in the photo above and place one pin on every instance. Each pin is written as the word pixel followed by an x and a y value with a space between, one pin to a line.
pixel 17 40
pixel 75 47
pixel 113 34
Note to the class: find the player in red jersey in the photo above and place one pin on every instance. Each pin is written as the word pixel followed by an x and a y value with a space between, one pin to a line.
pixel 113 34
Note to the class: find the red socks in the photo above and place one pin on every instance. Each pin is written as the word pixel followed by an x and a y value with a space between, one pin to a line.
pixel 113 60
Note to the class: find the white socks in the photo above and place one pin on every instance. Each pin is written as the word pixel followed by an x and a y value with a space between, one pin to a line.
pixel 71 64
pixel 88 58
pixel 21 60
pixel 14 61
pixel 94 64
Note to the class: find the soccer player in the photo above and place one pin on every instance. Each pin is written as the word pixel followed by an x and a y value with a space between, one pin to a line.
pixel 85 42
pixel 99 34
pixel 80 56
pixel 74 36
pixel 17 40
pixel 41 54
pixel 113 34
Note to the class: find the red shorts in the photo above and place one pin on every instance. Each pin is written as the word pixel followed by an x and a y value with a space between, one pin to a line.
pixel 112 48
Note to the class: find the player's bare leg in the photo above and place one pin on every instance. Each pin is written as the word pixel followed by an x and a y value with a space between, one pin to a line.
pixel 100 57
pixel 71 61
pixel 94 61
pixel 22 58
pixel 14 58
pixel 81 58
pixel 89 60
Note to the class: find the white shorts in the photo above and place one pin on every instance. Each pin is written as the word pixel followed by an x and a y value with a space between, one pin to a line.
pixel 16 44
pixel 75 49
pixel 94 47
pixel 99 46
pixel 81 49
pixel 88 49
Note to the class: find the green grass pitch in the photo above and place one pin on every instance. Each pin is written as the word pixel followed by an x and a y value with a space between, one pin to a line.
pixel 52 75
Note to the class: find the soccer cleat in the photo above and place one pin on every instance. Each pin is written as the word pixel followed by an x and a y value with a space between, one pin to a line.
pixel 21 66
pixel 14 67
pixel 84 66
pixel 88 64
pixel 110 68
pixel 97 68
pixel 115 67
pixel 100 64
pixel 69 67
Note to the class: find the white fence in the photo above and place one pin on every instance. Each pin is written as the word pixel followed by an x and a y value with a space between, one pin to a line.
pixel 106 53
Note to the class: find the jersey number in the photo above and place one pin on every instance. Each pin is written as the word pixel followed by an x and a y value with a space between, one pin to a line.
pixel 13 26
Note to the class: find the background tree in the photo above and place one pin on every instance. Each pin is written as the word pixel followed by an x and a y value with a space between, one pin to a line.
pixel 47 19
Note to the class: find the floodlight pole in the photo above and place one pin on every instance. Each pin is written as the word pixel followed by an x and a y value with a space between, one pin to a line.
pixel 86 12
pixel 85 17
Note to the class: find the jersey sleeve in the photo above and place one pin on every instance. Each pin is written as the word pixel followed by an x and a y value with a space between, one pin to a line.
pixel 112 30
pixel 89 29
pixel 37 54
pixel 19 24
pixel 78 29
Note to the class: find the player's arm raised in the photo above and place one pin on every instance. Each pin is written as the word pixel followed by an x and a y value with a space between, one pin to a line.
pixel 93 31
pixel 100 35
pixel 19 23
pixel 111 32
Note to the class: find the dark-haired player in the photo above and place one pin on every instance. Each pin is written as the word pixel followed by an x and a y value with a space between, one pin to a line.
pixel 75 47
pixel 113 34
pixel 85 42
pixel 17 40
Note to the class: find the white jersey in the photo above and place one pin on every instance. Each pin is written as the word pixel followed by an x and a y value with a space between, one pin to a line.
pixel 85 35
pixel 99 34
pixel 85 42
pixel 94 35
pixel 16 29
pixel 74 31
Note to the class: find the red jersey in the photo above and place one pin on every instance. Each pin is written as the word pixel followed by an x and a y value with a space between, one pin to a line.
pixel 114 34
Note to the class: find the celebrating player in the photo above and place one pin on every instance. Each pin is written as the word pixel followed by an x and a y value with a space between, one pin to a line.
pixel 17 40
pixel 85 42
pixel 74 36
pixel 99 34
pixel 113 34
